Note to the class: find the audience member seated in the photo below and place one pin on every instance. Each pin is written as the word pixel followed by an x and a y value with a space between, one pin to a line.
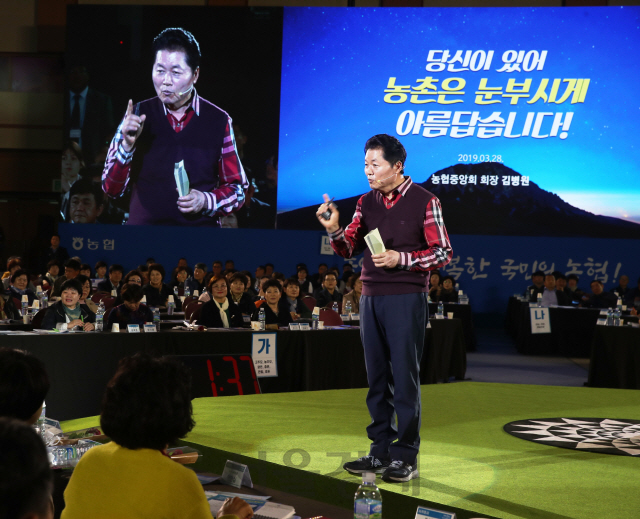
pixel 101 270
pixel 340 285
pixel 537 286
pixel 24 385
pixel 8 309
pixel 48 280
pixel 623 290
pixel 196 282
pixel 239 296
pixel 268 269
pixel 131 311
pixel 306 286
pixel 114 282
pixel 273 313
pixel 292 302
pixel 347 272
pixel 85 270
pixel 598 297
pixel 178 278
pixel 144 273
pixel 26 481
pixel 551 295
pixel 133 277
pixel 279 276
pixel 561 284
pixel 55 252
pixel 156 291
pixel 354 296
pixel 19 281
pixel 220 311
pixel 572 290
pixel 145 408
pixel 68 313
pixel 435 284
pixel 71 270
pixel 12 267
pixel 316 278
pixel 182 262
pixel 85 298
pixel 328 293
pixel 260 296
pixel 448 292
pixel 260 273
pixel 250 282
pixel 216 268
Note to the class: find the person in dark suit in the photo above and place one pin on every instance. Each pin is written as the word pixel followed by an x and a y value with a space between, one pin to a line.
pixel 88 114
pixel 274 313
pixel 114 282
pixel 598 297
pixel 292 302
pixel 537 286
pixel 328 294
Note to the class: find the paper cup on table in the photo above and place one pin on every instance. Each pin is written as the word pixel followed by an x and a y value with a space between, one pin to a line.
pixel 320 325
pixel 255 325
pixel 25 298
pixel 36 304
pixel 196 293
pixel 115 328
pixel 144 300
pixel 449 315
pixel 182 298
pixel 171 300
pixel 26 318
pixel 114 293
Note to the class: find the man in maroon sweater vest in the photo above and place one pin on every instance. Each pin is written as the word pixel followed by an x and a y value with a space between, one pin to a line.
pixel 176 126
pixel 393 306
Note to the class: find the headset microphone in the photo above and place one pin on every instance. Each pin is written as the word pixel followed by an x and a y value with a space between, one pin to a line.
pixel 186 91
pixel 380 181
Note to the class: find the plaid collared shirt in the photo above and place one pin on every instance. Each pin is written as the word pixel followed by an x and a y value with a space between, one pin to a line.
pixel 350 242
pixel 223 200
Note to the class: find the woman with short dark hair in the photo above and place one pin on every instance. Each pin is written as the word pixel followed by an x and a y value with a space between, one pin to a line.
pixel 292 302
pixel 18 286
pixel 85 298
pixel 157 292
pixel 448 293
pixel 68 313
pixel 274 314
pixel 131 311
pixel 238 294
pixel 146 406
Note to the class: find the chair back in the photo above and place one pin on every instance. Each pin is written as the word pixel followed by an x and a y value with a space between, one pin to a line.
pixel 108 301
pixel 196 313
pixel 310 301
pixel 330 317
pixel 98 296
pixel 187 300
pixel 191 308
pixel 36 322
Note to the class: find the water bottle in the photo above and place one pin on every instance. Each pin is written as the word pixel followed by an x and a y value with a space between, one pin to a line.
pixel 170 307
pixel 368 501
pixel 100 318
pixel 539 299
pixel 40 423
pixel 25 308
pixel 262 318
pixel 187 290
pixel 617 313
pixel 156 318
pixel 619 305
pixel 609 317
pixel 440 308
pixel 335 307
pixel 347 308
pixel 44 303
pixel 315 318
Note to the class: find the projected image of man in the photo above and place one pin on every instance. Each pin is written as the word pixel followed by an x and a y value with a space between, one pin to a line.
pixel 177 125
pixel 393 305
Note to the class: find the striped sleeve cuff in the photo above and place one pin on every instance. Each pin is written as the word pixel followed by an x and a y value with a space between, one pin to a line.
pixel 337 235
pixel 209 204
pixel 124 156
pixel 404 261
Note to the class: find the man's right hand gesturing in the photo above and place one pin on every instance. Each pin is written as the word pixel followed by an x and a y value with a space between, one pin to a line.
pixel 332 224
pixel 131 127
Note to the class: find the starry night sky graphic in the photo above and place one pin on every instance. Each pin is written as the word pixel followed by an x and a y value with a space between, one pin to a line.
pixel 337 62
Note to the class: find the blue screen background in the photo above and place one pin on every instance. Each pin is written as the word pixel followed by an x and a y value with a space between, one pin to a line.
pixel 337 62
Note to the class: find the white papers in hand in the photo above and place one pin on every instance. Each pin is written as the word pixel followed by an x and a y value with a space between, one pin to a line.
pixel 374 242
pixel 182 180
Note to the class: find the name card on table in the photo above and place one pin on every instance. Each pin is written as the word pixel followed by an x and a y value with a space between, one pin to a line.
pixel 294 326
pixel 355 317
pixel 432 513
pixel 150 328
pixel 439 316
pixel 236 475
pixel 133 328
pixel 264 354
pixel 344 317
pixel 540 321
pixel 603 312
pixel 305 327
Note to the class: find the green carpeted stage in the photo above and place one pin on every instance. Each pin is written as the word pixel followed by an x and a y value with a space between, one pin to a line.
pixel 468 464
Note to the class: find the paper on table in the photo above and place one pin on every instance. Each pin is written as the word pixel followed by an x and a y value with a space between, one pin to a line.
pixel 374 242
pixel 182 180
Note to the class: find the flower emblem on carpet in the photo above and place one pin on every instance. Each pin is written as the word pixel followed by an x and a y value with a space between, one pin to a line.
pixel 603 435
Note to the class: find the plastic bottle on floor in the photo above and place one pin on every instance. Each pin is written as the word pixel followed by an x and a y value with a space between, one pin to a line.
pixel 368 501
